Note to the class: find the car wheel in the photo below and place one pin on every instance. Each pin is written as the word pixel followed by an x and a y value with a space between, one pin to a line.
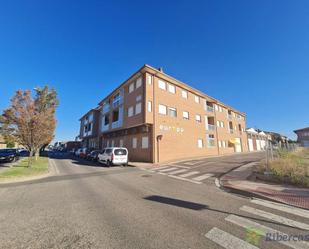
pixel 109 163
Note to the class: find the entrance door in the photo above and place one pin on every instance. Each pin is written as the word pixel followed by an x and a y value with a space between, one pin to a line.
pixel 237 144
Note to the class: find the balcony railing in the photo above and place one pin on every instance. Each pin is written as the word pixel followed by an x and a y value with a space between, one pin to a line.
pixel 117 124
pixel 210 108
pixel 117 102
pixel 211 127
pixel 106 108
pixel 211 142
pixel 231 131
pixel 229 116
pixel 105 127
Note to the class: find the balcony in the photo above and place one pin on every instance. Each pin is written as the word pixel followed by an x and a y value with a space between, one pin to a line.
pixel 116 124
pixel 106 108
pixel 117 102
pixel 210 142
pixel 231 131
pixel 105 127
pixel 229 116
pixel 211 127
pixel 209 108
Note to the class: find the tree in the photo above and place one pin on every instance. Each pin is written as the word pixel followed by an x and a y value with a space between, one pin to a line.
pixel 30 120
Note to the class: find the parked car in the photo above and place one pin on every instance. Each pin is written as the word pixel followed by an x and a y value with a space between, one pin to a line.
pixel 114 156
pixel 23 153
pixel 78 151
pixel 84 152
pixel 93 155
pixel 8 155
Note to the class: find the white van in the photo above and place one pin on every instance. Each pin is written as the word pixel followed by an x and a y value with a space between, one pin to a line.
pixel 114 156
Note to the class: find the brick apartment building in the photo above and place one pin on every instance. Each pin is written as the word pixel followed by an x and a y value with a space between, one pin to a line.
pixel 159 118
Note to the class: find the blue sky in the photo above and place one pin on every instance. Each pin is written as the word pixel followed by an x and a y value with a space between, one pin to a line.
pixel 252 55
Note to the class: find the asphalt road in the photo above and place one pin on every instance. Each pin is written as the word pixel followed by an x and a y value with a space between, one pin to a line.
pixel 96 207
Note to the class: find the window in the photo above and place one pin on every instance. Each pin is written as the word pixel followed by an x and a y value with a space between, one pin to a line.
pixel 107 143
pixel 138 98
pixel 185 115
pixel 131 87
pixel 216 107
pixel 196 99
pixel 223 144
pixel 149 79
pixel 130 111
pixel 149 106
pixel 162 109
pixel 145 142
pixel 162 84
pixel 219 143
pixel 210 140
pixel 138 82
pixel 200 143
pixel 121 143
pixel 115 115
pixel 198 118
pixel 172 112
pixel 106 120
pixel 138 108
pixel 171 88
pixel 218 123
pixel 113 143
pixel 222 124
pixel 184 94
pixel 134 143
pixel 220 109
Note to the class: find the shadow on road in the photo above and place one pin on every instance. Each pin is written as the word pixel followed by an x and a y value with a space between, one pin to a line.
pixel 176 202
pixel 200 207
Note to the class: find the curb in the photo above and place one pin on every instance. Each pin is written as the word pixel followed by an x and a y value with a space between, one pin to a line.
pixel 247 193
pixel 50 172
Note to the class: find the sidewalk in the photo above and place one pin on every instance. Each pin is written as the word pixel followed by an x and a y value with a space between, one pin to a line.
pixel 237 180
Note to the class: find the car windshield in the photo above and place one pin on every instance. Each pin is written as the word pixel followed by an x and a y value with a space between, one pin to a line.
pixel 120 152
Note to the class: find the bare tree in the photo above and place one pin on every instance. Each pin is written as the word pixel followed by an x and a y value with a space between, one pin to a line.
pixel 30 120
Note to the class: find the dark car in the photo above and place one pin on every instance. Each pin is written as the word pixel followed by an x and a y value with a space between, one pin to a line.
pixel 23 153
pixel 93 155
pixel 8 155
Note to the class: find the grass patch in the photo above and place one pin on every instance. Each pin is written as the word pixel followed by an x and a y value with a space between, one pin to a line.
pixel 290 167
pixel 21 169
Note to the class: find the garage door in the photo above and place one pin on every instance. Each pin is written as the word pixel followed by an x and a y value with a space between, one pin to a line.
pixel 250 143
pixel 258 144
pixel 237 144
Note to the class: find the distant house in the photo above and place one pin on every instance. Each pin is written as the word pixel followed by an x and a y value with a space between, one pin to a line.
pixel 2 143
pixel 303 136
pixel 257 139
pixel 276 138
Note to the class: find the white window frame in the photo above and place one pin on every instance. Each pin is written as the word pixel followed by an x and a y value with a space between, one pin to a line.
pixel 172 109
pixel 149 79
pixel 162 84
pixel 149 106
pixel 197 99
pixel 131 87
pixel 138 98
pixel 121 143
pixel 184 94
pixel 171 88
pixel 138 108
pixel 218 123
pixel 219 143
pixel 216 107
pixel 162 109
pixel 131 111
pixel 198 118
pixel 199 143
pixel 145 142
pixel 185 115
pixel 139 82
pixel 223 144
pixel 134 142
